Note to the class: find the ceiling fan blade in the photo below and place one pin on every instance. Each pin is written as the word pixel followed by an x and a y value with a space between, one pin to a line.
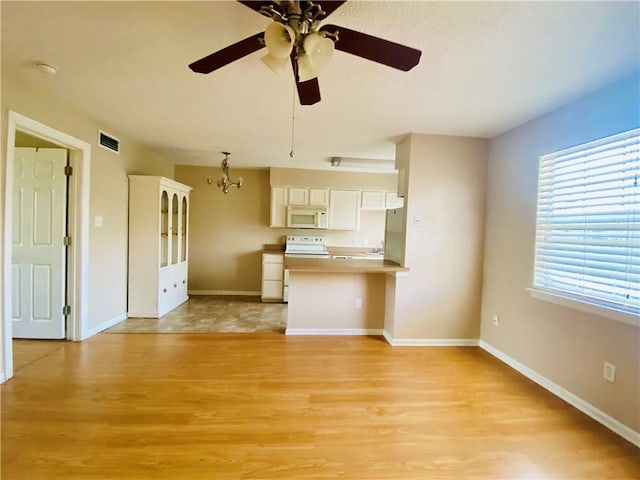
pixel 258 4
pixel 375 49
pixel 309 91
pixel 228 54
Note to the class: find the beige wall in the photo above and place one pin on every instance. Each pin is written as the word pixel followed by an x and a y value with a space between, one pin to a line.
pixel 330 179
pixel 228 232
pixel 564 345
pixel 445 183
pixel 107 269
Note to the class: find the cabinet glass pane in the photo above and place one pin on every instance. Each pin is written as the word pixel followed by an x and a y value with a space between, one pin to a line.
pixel 174 228
pixel 164 229
pixel 183 231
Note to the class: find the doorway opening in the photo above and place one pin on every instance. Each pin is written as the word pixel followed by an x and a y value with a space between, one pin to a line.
pixel 78 228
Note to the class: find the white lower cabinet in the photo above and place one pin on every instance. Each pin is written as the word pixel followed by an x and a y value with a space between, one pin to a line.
pixel 172 288
pixel 272 277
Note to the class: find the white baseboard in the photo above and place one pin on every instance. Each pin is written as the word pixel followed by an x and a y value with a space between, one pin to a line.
pixel 103 326
pixel 333 331
pixel 430 342
pixel 247 293
pixel 573 400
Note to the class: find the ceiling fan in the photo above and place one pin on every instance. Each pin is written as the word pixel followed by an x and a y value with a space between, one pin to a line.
pixel 295 36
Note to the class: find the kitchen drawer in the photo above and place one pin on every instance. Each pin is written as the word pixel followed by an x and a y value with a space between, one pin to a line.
pixel 272 271
pixel 273 258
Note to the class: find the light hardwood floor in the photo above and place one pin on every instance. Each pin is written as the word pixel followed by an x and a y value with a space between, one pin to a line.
pixel 267 406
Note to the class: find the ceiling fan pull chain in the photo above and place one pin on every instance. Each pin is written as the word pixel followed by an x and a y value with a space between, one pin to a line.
pixel 293 121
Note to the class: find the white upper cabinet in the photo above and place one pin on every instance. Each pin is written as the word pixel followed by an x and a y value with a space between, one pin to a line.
pixel 319 197
pixel 393 201
pixel 298 196
pixel 278 206
pixel 308 196
pixel 372 200
pixel 344 209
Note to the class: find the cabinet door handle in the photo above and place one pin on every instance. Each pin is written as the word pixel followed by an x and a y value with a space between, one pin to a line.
pixel 184 281
pixel 175 285
pixel 164 290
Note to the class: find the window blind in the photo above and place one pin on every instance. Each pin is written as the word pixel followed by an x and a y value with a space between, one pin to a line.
pixel 588 223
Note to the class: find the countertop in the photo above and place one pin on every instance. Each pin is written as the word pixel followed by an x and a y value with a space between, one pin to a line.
pixel 338 265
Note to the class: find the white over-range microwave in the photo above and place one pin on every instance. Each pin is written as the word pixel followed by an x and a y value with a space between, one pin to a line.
pixel 306 217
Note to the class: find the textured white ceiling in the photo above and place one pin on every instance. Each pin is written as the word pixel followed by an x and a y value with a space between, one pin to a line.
pixel 485 68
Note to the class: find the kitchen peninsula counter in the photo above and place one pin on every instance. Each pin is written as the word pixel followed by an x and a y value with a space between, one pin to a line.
pixel 342 265
pixel 337 296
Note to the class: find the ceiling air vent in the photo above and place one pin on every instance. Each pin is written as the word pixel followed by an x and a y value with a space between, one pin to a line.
pixel 108 142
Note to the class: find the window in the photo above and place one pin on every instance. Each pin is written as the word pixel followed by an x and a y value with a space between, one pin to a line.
pixel 588 223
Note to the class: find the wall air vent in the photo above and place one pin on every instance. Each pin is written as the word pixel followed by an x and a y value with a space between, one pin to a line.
pixel 108 142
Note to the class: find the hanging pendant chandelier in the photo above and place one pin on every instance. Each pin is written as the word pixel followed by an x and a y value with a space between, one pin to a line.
pixel 225 182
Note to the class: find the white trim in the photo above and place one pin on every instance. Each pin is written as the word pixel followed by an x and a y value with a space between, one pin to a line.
pixel 430 342
pixel 573 400
pixel 108 324
pixel 583 306
pixel 248 293
pixel 78 219
pixel 333 331
pixel 134 314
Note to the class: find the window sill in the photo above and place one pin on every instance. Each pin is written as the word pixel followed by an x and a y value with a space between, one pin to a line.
pixel 623 317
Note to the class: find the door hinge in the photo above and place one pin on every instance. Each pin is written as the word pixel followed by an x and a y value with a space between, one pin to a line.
pixel 68 170
pixel 66 310
pixel 66 240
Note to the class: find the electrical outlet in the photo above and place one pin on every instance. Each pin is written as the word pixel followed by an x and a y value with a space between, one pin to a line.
pixel 609 372
pixel 358 303
pixel 496 320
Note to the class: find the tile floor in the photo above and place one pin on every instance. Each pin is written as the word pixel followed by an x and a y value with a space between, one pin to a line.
pixel 220 313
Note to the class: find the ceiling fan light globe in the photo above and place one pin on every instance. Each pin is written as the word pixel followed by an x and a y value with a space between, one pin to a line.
pixel 279 39
pixel 306 71
pixel 322 53
pixel 276 64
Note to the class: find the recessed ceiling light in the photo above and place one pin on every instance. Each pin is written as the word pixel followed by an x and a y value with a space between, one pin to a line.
pixel 46 68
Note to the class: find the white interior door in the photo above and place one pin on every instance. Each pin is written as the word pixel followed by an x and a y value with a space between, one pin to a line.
pixel 38 251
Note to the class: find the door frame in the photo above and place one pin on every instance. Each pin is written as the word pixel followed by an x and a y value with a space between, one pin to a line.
pixel 78 221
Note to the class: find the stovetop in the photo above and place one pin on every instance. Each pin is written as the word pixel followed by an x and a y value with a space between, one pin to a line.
pixel 307 255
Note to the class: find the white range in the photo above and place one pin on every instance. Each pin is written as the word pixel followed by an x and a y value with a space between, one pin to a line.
pixel 303 246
